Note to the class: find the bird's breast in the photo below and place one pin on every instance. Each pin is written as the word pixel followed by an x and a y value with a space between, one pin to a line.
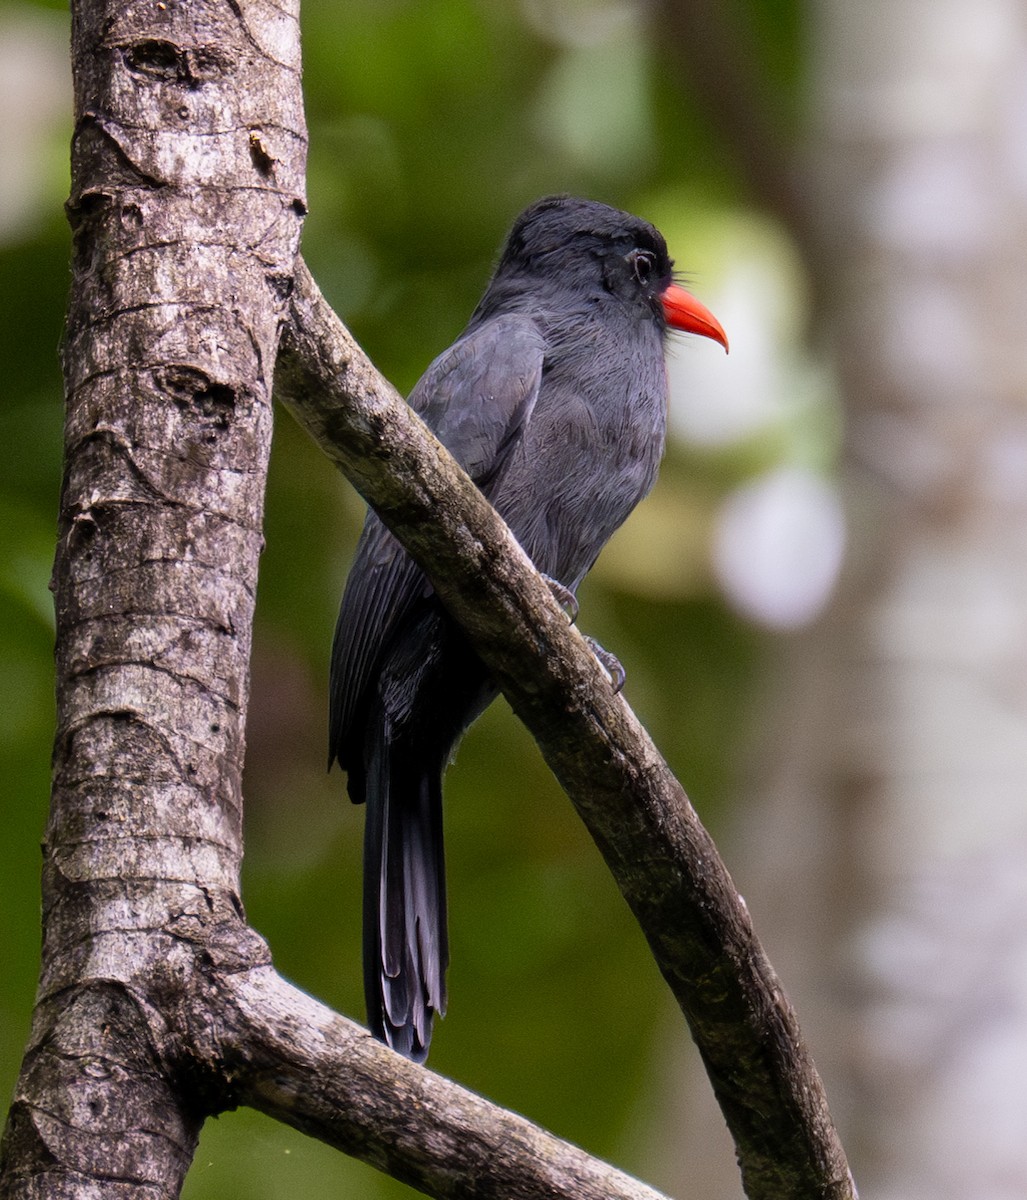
pixel 588 455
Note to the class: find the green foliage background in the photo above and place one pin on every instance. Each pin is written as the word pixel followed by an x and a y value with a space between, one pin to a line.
pixel 431 125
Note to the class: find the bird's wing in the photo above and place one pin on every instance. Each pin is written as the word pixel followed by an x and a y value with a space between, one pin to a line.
pixel 475 397
pixel 382 583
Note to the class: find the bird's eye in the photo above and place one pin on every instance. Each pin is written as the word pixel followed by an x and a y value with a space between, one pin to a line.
pixel 643 264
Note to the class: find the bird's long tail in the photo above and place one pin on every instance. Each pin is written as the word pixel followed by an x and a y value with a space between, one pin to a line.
pixel 406 946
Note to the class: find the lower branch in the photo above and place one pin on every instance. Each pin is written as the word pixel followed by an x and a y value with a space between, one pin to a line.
pixel 301 1063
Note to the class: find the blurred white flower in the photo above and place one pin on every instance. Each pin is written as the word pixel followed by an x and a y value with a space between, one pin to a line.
pixel 778 543
pixel 744 267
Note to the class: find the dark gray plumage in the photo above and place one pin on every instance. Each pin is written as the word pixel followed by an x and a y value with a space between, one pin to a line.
pixel 553 400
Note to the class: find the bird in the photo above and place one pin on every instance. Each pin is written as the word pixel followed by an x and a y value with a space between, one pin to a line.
pixel 553 400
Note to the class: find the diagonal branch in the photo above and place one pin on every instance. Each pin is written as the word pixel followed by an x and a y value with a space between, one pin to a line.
pixel 661 856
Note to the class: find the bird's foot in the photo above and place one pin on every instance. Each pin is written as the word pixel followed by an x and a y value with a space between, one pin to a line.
pixel 564 597
pixel 610 663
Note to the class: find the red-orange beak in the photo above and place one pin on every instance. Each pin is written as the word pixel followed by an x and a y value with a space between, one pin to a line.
pixel 683 311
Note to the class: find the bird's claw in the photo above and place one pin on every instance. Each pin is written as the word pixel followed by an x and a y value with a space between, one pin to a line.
pixel 563 596
pixel 610 663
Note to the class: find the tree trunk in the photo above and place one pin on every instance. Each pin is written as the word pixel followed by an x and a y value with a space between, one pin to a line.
pixel 186 205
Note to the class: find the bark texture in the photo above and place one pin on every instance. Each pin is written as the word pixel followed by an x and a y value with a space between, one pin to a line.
pixel 186 204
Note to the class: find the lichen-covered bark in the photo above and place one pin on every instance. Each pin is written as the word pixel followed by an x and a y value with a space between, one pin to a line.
pixel 186 205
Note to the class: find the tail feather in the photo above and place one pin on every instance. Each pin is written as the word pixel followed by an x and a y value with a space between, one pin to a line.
pixel 406 948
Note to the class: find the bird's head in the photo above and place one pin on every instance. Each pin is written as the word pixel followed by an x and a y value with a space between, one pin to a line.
pixel 584 246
